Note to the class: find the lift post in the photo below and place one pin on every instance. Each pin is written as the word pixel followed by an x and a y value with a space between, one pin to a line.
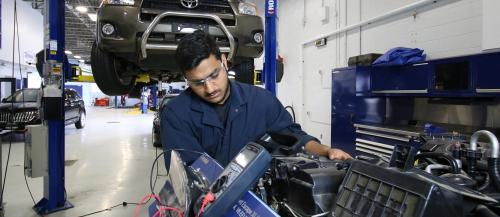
pixel 53 106
pixel 270 46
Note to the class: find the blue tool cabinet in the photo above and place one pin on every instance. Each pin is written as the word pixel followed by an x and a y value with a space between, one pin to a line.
pixel 365 96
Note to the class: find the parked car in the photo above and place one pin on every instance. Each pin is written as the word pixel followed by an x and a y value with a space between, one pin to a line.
pixel 136 38
pixel 24 104
pixel 157 120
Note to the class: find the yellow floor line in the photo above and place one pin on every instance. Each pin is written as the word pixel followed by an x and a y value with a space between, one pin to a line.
pixel 136 111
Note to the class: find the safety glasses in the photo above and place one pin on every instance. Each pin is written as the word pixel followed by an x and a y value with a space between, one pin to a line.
pixel 201 82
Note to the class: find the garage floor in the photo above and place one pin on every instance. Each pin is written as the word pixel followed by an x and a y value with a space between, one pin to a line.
pixel 107 162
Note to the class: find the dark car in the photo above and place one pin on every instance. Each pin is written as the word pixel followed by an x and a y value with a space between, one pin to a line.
pixel 25 104
pixel 136 38
pixel 156 121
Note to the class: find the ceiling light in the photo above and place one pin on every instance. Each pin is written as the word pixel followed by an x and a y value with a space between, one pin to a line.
pixel 78 57
pixel 82 9
pixel 92 16
pixel 82 61
pixel 68 52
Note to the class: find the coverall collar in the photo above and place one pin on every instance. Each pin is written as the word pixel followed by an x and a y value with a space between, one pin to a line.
pixel 210 117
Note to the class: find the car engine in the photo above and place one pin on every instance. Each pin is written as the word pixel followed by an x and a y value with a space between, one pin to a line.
pixel 437 176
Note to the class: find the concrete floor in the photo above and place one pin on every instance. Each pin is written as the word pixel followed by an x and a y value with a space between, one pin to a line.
pixel 112 158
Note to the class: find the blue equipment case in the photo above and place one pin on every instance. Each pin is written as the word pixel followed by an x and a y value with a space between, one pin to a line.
pixel 248 206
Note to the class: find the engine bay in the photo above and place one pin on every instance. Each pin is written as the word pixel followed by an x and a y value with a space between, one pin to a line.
pixel 434 176
pixel 439 176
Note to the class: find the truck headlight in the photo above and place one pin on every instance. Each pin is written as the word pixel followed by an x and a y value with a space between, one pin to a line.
pixel 258 38
pixel 108 29
pixel 247 8
pixel 118 2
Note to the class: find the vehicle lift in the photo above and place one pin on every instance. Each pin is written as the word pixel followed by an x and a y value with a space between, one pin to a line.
pixel 54 184
pixel 55 198
pixel 269 72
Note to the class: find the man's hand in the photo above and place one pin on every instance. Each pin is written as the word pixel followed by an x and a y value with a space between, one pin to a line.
pixel 323 150
pixel 337 154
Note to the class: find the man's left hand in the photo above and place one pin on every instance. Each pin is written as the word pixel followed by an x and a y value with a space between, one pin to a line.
pixel 322 150
pixel 337 154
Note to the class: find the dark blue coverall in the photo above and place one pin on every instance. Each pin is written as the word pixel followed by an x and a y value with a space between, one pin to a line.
pixel 190 123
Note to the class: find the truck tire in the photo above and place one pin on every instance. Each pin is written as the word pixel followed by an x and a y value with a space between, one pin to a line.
pixel 107 71
pixel 244 71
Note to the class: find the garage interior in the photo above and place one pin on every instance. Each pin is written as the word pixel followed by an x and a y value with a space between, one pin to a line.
pixel 410 89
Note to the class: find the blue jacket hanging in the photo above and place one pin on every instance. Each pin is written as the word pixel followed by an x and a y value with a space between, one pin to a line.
pixel 400 56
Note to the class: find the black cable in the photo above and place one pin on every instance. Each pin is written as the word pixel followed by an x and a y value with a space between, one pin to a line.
pixel 26 180
pixel 156 161
pixel 150 183
pixel 151 176
pixel 16 23
pixel 152 186
pixel 107 209
pixel 293 112
pixel 157 168
pixel 11 108
pixel 124 203
pixel 16 34
pixel 6 167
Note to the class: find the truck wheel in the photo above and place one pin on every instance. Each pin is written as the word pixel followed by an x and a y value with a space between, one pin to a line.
pixel 107 71
pixel 136 90
pixel 245 71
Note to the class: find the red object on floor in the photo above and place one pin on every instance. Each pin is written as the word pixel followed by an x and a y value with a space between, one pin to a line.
pixel 102 102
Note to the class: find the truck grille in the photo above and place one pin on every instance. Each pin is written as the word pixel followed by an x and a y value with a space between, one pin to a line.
pixel 208 6
pixel 19 117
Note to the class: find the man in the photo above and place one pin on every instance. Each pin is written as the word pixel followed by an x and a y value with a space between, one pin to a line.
pixel 219 116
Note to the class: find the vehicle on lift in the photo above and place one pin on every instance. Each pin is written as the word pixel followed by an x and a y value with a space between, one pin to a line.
pixel 24 105
pixel 140 38
pixel 157 120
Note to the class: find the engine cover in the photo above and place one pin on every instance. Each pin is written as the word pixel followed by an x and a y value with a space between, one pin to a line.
pixel 308 185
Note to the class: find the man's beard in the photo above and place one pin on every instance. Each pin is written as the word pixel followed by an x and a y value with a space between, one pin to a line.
pixel 226 93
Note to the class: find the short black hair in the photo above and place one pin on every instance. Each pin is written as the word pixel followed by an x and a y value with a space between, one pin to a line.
pixel 193 48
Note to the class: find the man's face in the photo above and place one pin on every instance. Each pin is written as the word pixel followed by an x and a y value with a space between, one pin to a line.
pixel 209 80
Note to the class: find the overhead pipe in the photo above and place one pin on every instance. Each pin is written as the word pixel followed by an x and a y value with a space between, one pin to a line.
pixel 394 12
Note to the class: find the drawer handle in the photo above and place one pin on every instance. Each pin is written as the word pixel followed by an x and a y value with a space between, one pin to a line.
pixel 479 90
pixel 400 91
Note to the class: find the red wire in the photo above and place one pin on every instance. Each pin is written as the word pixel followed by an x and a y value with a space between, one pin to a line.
pixel 209 197
pixel 163 208
pixel 142 203
pixel 200 213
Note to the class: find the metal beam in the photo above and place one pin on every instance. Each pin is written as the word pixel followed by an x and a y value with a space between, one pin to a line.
pixel 54 184
pixel 270 46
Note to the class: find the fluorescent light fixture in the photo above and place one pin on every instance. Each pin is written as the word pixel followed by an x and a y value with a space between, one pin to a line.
pixel 68 52
pixel 82 61
pixel 82 9
pixel 77 57
pixel 92 16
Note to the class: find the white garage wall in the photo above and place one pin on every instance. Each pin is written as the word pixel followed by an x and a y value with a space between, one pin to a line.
pixel 30 38
pixel 491 32
pixel 443 29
